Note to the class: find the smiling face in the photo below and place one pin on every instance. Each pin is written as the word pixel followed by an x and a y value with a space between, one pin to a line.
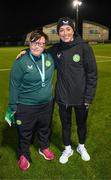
pixel 66 33
pixel 38 46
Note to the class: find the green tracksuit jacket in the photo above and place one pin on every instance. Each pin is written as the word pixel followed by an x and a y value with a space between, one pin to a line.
pixel 26 83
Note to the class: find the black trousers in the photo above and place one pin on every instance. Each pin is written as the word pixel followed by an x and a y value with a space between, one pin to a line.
pixel 35 118
pixel 81 113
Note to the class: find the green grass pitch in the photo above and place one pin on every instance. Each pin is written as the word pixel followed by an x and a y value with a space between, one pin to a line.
pixel 98 139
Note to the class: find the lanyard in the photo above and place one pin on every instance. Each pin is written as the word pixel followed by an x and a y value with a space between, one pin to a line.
pixel 42 72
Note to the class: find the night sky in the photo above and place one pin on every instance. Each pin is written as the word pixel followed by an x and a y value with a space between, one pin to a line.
pixel 21 17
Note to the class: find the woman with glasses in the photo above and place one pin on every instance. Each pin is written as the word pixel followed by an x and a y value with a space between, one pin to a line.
pixel 30 98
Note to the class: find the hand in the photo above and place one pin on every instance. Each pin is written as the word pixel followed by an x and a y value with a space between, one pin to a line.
pixel 9 116
pixel 20 54
pixel 87 105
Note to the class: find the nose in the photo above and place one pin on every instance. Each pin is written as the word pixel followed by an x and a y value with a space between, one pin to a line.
pixel 37 45
pixel 65 32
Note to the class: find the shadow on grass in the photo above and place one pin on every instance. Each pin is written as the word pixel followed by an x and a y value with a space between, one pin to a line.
pixel 9 137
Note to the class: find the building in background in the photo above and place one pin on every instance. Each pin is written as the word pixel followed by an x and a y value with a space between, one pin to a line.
pixel 91 32
pixel 50 30
pixel 27 39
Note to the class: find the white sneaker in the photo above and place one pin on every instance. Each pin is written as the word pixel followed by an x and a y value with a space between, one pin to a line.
pixel 65 155
pixel 84 154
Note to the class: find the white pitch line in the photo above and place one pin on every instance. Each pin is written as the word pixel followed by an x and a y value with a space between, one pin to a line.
pixel 4 70
pixel 109 57
pixel 103 61
pixel 1 70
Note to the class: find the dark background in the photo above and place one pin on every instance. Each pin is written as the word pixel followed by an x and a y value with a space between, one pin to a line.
pixel 20 17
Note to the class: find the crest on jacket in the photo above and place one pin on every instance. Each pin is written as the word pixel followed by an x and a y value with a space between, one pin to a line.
pixel 48 63
pixel 76 58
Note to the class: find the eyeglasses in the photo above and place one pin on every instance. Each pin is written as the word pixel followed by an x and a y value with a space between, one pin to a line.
pixel 40 44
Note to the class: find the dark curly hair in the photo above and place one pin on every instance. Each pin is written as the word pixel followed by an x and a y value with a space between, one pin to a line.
pixel 35 35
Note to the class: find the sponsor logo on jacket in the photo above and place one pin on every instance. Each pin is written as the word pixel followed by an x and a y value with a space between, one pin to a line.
pixel 59 55
pixel 30 67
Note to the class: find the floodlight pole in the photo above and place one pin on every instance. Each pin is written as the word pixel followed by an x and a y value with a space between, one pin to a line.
pixel 77 10
pixel 76 4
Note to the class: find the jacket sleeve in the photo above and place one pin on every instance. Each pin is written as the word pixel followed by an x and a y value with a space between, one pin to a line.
pixel 90 72
pixel 16 76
